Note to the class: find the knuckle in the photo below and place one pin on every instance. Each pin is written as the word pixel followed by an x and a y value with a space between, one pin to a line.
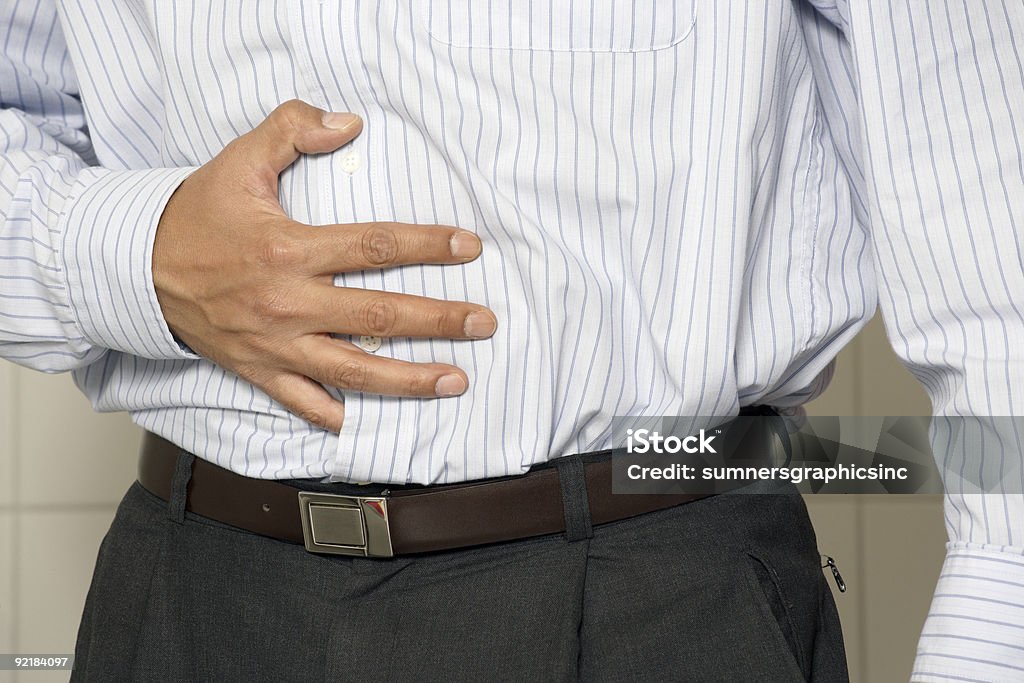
pixel 418 385
pixel 292 105
pixel 349 374
pixel 379 245
pixel 379 317
pixel 280 252
pixel 289 111
pixel 272 305
pixel 443 322
pixel 311 415
pixel 287 119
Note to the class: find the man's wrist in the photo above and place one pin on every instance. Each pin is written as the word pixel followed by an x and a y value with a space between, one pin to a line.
pixel 109 227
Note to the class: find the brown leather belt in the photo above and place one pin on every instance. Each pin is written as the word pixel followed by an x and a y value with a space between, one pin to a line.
pixel 397 522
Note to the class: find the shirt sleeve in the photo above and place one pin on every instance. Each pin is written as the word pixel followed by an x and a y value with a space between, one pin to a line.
pixel 76 239
pixel 932 92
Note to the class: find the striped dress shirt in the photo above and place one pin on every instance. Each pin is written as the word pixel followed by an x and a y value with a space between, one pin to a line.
pixel 686 206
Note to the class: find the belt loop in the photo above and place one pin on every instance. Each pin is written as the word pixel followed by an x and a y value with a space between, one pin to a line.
pixel 179 487
pixel 575 504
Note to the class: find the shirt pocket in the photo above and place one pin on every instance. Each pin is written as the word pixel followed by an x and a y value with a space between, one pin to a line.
pixel 559 26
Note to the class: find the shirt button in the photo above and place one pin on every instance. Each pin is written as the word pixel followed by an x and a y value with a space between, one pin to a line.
pixel 350 163
pixel 368 343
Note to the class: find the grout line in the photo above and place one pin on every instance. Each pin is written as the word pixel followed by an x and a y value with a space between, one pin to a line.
pixel 860 522
pixel 863 660
pixel 58 508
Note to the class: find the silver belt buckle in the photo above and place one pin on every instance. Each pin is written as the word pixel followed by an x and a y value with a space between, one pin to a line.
pixel 345 525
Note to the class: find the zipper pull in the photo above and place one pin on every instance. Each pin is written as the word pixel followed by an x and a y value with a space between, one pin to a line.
pixel 831 564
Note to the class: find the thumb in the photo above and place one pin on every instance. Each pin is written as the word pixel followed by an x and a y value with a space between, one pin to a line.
pixel 295 128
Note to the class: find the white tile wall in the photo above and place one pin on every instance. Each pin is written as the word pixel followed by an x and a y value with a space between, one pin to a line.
pixel 68 453
pixel 901 566
pixel 63 469
pixel 7 435
pixel 8 543
pixel 7 612
pixel 50 597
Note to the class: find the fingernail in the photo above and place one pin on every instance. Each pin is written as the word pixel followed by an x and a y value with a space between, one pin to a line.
pixel 339 120
pixel 465 245
pixel 480 324
pixel 450 385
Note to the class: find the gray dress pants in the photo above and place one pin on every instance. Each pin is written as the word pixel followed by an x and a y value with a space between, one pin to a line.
pixel 727 588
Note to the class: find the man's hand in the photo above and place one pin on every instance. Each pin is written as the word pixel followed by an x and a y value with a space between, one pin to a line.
pixel 252 290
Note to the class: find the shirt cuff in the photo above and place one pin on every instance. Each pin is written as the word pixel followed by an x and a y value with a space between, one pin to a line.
pixel 108 229
pixel 975 628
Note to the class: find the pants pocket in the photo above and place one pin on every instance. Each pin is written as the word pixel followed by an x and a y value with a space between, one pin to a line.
pixel 800 619
pixel 768 591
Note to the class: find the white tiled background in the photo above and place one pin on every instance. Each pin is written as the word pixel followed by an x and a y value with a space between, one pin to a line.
pixel 63 469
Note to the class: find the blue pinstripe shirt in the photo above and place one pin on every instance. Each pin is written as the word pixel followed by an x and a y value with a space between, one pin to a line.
pixel 686 206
